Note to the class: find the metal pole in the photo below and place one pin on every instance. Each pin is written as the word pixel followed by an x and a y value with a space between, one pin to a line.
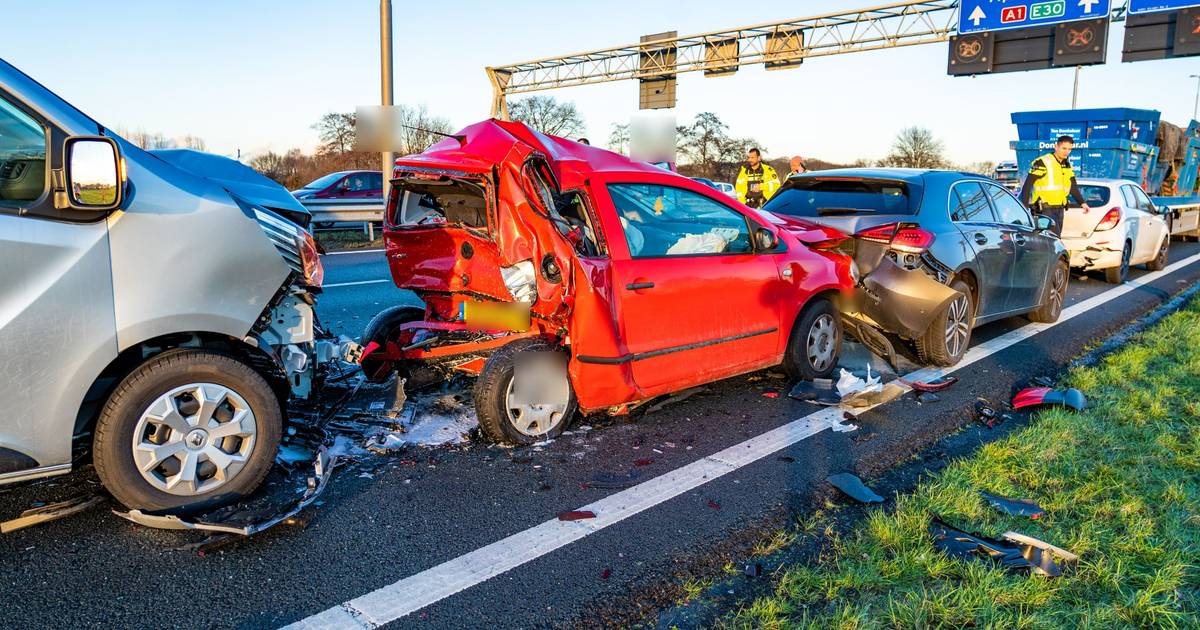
pixel 1196 106
pixel 1075 94
pixel 385 82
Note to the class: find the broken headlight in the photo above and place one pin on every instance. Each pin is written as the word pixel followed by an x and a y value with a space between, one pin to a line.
pixel 294 243
pixel 520 280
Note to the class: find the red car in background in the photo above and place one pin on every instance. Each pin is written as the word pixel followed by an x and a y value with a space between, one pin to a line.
pixel 343 185
pixel 569 277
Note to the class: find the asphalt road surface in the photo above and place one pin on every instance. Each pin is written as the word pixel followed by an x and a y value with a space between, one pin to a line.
pixel 438 508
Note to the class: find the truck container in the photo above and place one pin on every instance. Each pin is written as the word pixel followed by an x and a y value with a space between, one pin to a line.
pixel 1123 143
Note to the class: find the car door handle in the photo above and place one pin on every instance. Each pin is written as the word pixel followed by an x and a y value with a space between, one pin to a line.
pixel 981 238
pixel 637 286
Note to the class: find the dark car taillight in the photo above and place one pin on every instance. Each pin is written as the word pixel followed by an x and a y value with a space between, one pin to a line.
pixel 909 239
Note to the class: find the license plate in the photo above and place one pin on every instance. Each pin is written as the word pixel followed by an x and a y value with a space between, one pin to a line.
pixel 495 315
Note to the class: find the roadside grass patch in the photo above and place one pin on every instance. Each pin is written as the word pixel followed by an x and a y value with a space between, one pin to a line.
pixel 1120 485
pixel 340 240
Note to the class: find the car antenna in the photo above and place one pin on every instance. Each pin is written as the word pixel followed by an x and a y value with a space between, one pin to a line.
pixel 462 140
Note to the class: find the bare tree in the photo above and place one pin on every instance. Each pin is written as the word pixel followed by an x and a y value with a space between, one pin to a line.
pixel 983 168
pixel 148 140
pixel 915 147
pixel 419 129
pixel 336 131
pixel 618 138
pixel 548 115
pixel 193 142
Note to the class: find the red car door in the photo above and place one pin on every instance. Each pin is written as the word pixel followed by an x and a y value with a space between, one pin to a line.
pixel 694 301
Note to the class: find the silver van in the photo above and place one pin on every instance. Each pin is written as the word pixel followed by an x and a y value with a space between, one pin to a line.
pixel 156 309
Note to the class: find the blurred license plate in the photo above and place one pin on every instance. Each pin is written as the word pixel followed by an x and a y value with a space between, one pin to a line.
pixel 495 315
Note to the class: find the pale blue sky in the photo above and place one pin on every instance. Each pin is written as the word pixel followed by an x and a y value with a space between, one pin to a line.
pixel 255 74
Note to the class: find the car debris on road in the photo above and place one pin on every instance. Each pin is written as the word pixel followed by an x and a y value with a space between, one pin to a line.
pixel 1017 552
pixel 854 488
pixel 50 512
pixel 1033 396
pixel 1015 507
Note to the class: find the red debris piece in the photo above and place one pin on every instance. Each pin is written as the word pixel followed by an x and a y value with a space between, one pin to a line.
pixel 643 462
pixel 714 505
pixel 771 394
pixel 936 385
pixel 604 575
pixel 576 515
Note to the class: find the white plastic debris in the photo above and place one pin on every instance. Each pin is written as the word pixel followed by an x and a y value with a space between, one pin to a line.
pixel 850 385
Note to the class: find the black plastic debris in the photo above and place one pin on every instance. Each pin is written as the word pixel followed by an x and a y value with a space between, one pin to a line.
pixel 854 488
pixel 1032 396
pixel 984 414
pixel 50 512
pixel 1017 553
pixel 1015 507
pixel 819 390
pixel 787 459
pixel 614 481
pixel 926 398
pixel 753 570
pixel 233 520
pixel 1042 381
pixel 678 397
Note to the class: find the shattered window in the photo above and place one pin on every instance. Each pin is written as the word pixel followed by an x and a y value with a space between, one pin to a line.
pixel 666 221
pixel 969 203
pixel 442 201
pixel 830 196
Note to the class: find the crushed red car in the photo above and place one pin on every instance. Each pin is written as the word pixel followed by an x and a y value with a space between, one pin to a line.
pixel 569 277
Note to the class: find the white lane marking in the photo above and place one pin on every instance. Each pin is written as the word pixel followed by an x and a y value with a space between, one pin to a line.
pixel 354 251
pixel 351 284
pixel 415 592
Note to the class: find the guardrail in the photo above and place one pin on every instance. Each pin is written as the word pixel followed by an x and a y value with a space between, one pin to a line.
pixel 365 211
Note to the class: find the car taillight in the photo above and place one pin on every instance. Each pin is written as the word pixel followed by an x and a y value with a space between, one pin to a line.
pixel 909 238
pixel 1110 220
pixel 314 271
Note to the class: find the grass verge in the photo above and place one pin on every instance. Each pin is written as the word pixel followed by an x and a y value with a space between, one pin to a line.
pixel 1120 484
pixel 341 240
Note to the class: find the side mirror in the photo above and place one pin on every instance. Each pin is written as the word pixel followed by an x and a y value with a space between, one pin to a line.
pixel 764 240
pixel 94 177
pixel 1044 223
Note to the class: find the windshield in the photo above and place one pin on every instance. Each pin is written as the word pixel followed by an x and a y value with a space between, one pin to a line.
pixel 324 182
pixel 1094 195
pixel 821 197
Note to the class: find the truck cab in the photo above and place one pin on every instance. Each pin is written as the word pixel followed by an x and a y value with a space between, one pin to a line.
pixel 156 309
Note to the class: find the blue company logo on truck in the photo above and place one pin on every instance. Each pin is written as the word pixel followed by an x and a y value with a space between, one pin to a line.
pixel 976 16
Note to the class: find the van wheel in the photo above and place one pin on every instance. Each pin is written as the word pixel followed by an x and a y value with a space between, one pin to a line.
pixel 1116 275
pixel 949 334
pixel 188 430
pixel 1160 261
pixel 378 330
pixel 1056 292
pixel 516 410
pixel 815 343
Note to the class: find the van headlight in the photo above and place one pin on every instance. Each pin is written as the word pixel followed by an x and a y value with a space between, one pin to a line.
pixel 521 282
pixel 294 243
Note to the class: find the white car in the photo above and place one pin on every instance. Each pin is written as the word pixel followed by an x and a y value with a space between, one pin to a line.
pixel 726 188
pixel 1123 228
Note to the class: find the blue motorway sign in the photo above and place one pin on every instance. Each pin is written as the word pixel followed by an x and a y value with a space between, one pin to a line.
pixel 1137 7
pixel 976 16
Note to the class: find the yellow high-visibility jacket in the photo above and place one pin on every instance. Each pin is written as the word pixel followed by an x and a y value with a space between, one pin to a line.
pixel 766 179
pixel 1052 180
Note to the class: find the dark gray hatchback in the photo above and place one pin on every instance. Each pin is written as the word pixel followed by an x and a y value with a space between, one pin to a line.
pixel 937 253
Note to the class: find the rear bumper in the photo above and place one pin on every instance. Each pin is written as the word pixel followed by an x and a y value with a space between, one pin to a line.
pixel 1087 255
pixel 901 301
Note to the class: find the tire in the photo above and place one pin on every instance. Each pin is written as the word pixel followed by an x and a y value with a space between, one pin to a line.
pixel 1160 261
pixel 1116 275
pixel 180 376
pixel 497 420
pixel 382 326
pixel 936 346
pixel 1054 294
pixel 815 342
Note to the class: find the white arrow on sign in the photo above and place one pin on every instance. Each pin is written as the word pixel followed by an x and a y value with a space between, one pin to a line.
pixel 978 13
pixel 1087 5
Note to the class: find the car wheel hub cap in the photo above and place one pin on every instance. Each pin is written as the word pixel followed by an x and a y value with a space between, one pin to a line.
pixel 194 439
pixel 822 339
pixel 537 403
pixel 957 326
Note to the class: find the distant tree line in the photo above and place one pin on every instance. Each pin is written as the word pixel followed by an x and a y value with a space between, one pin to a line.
pixel 152 140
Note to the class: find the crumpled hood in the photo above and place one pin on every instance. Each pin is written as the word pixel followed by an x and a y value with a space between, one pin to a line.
pixel 806 231
pixel 238 179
